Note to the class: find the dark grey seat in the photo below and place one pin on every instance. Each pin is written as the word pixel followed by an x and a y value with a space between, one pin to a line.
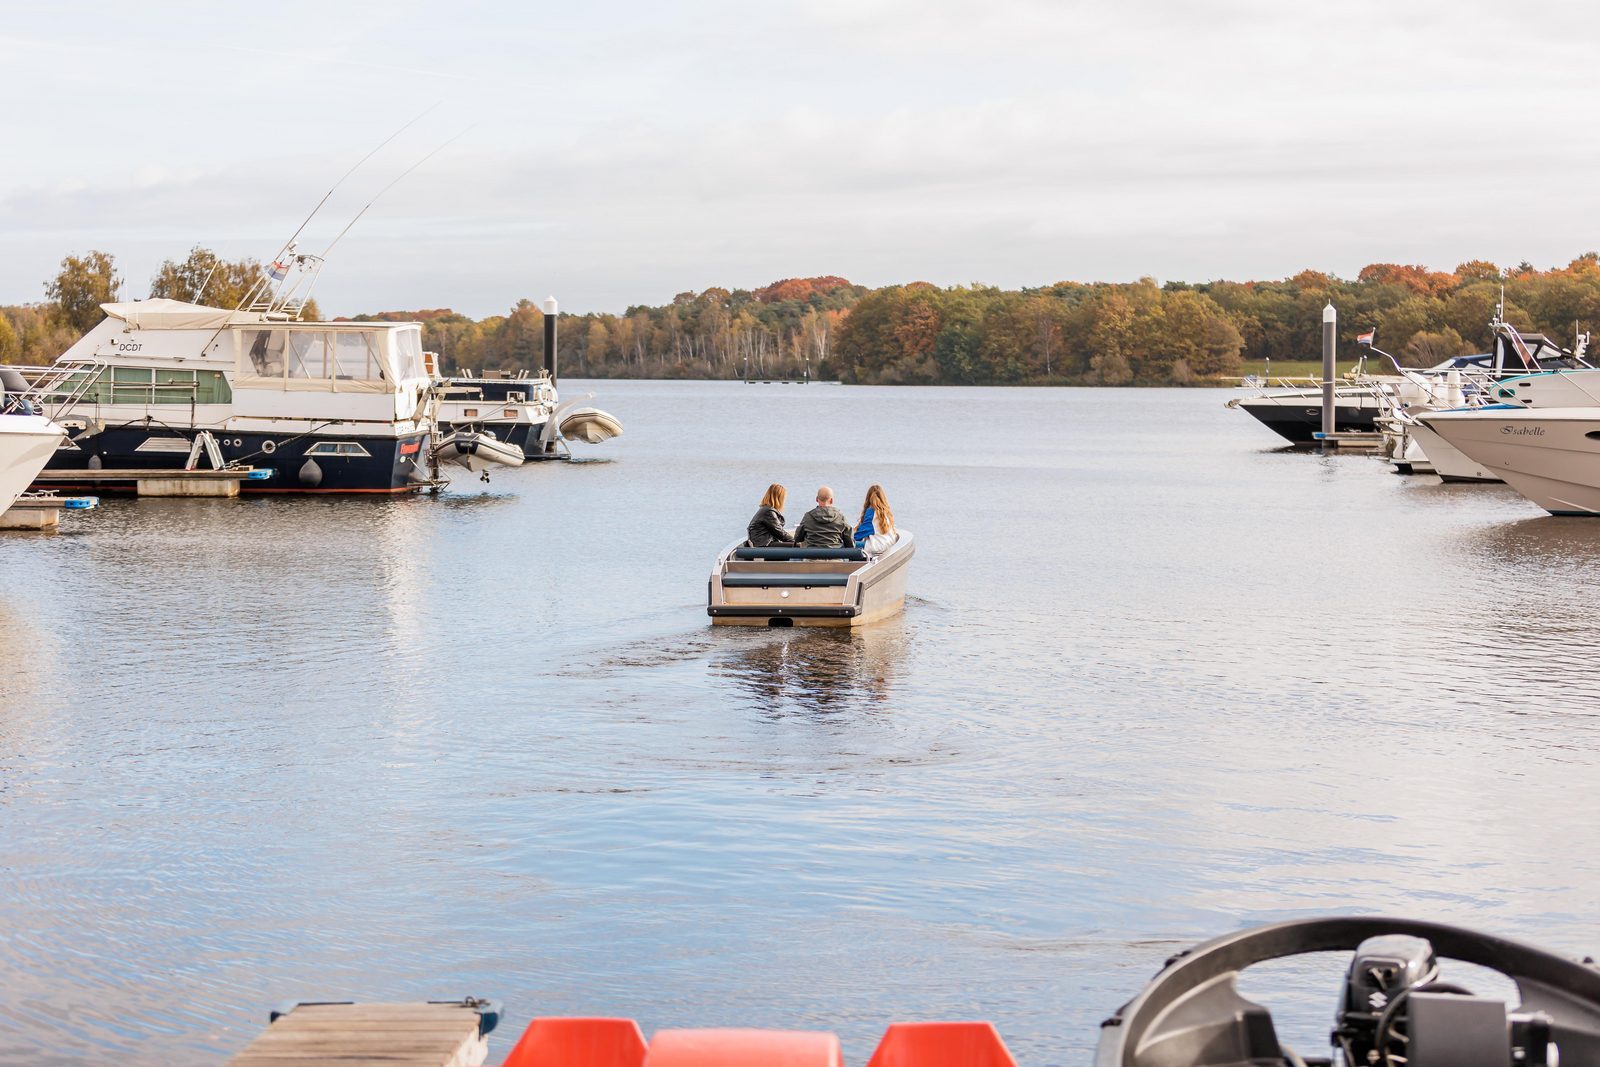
pixel 854 555
pixel 799 578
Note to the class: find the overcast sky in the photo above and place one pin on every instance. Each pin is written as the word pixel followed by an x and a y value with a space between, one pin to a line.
pixel 621 153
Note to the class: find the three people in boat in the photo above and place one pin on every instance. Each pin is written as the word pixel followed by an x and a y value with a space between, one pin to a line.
pixel 824 526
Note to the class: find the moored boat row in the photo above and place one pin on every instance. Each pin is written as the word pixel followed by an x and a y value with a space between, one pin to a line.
pixel 1527 415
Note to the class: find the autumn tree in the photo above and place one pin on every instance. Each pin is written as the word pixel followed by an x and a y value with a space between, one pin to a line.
pixel 10 343
pixel 81 286
pixel 205 278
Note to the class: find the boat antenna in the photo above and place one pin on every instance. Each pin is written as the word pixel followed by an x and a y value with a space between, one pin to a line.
pixel 288 246
pixel 292 237
pixel 340 236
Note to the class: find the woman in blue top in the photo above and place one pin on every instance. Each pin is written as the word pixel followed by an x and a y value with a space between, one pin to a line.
pixel 875 532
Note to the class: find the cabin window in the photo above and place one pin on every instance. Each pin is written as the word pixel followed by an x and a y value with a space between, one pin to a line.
pixel 345 449
pixel 355 355
pixel 174 387
pixel 211 387
pixel 308 354
pixel 265 350
pixel 131 385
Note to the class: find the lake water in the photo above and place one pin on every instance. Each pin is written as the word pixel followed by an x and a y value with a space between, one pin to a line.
pixel 1156 681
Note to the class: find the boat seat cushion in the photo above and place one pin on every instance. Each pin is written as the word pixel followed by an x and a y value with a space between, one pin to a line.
pixel 855 555
pixel 745 581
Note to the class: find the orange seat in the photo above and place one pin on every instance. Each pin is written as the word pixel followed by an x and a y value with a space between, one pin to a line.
pixel 744 1048
pixel 579 1043
pixel 941 1045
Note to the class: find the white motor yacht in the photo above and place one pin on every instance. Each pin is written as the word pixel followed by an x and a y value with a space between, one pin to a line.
pixel 327 407
pixel 1549 455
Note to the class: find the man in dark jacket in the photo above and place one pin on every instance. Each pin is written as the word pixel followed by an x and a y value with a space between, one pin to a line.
pixel 824 525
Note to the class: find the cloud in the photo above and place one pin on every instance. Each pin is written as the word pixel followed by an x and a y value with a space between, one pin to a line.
pixel 633 155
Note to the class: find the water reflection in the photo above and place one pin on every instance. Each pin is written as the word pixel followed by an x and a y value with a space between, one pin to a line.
pixel 815 670
pixel 1563 543
pixel 27 663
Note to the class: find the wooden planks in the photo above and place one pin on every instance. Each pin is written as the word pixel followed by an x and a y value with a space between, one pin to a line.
pixel 383 1035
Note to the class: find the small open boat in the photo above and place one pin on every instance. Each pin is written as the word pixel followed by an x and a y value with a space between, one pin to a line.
pixel 477 450
pixel 807 586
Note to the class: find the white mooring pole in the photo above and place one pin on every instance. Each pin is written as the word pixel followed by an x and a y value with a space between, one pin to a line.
pixel 1330 329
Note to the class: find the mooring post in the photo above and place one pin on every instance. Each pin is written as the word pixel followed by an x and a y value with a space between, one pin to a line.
pixel 550 338
pixel 1330 328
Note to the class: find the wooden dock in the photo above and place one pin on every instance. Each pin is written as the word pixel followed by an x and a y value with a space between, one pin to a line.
pixel 381 1035
pixel 160 482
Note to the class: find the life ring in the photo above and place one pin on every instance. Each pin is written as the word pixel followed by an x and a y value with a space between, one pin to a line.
pixel 269 447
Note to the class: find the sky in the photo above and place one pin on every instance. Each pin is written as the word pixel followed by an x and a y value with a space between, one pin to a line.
pixel 613 154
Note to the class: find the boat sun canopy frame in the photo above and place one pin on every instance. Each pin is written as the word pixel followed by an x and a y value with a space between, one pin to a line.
pixel 321 357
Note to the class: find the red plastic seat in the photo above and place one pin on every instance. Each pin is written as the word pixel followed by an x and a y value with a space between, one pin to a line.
pixel 579 1043
pixel 941 1045
pixel 744 1048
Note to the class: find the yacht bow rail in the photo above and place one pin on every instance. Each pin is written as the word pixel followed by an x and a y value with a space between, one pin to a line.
pixel 57 389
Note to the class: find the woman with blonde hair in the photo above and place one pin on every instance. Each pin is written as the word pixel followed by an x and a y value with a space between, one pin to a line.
pixel 875 532
pixel 766 529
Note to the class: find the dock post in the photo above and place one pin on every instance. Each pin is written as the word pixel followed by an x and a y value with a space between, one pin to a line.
pixel 1330 328
pixel 550 309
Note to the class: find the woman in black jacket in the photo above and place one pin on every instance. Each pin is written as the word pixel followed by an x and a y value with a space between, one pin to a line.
pixel 766 529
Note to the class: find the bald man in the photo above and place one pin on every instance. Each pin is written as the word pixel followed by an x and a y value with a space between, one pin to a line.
pixel 824 525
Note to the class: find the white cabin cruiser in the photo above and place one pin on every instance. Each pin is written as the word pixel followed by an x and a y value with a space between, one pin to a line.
pixel 27 440
pixel 328 407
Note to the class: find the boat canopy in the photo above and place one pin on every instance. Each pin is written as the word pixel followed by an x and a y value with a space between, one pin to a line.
pixel 160 313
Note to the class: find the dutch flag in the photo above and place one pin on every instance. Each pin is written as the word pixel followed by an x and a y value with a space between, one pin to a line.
pixel 1365 338
pixel 278 271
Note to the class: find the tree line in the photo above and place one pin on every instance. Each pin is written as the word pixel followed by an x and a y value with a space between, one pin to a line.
pixel 1069 333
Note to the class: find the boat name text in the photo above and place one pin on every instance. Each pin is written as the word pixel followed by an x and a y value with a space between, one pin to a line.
pixel 1523 431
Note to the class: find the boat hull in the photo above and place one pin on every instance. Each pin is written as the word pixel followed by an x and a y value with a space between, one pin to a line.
pixel 812 593
pixel 324 463
pixel 1552 457
pixel 1297 418
pixel 1448 461
pixel 26 444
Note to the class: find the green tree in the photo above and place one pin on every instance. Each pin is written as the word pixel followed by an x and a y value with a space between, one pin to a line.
pixel 205 278
pixel 83 284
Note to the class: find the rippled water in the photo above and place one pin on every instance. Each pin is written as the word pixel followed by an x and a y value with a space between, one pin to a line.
pixel 1156 681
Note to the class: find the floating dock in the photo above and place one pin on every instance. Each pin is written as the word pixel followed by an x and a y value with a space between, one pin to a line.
pixel 439 1034
pixel 42 511
pixel 1353 439
pixel 159 482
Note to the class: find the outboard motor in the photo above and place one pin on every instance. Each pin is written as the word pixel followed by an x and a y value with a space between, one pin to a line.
pixel 1397 1013
pixel 1383 972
